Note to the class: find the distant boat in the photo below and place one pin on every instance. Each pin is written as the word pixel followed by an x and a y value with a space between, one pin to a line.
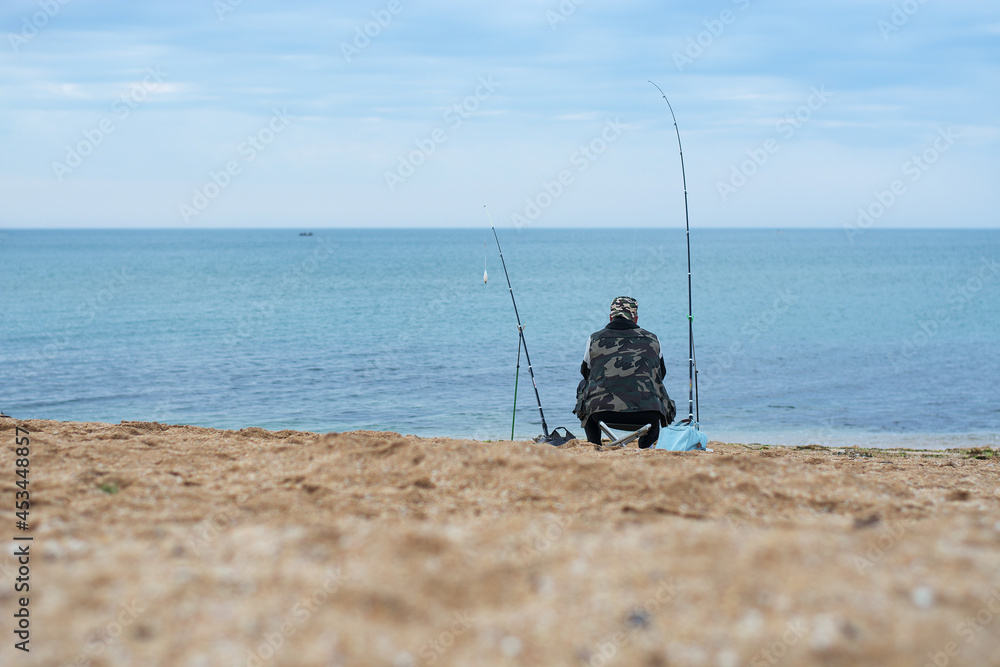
pixel 305 233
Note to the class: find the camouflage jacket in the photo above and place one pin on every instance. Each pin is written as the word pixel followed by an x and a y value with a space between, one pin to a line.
pixel 625 373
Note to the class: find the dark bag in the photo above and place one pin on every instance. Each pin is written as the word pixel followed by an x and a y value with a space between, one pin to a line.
pixel 555 439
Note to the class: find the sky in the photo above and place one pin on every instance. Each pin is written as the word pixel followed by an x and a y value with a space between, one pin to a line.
pixel 418 113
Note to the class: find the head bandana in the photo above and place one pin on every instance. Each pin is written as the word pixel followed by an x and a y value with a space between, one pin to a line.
pixel 624 306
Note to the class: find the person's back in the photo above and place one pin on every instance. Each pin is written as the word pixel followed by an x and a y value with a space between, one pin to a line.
pixel 623 377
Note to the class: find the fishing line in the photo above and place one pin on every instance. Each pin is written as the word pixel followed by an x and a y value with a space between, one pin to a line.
pixel 485 253
pixel 632 270
pixel 517 374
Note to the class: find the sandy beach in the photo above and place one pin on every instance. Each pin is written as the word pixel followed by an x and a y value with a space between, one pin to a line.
pixel 180 545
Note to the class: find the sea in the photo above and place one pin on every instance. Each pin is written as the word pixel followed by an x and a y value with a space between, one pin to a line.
pixel 887 338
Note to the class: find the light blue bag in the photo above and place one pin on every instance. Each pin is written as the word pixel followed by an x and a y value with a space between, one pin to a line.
pixel 682 437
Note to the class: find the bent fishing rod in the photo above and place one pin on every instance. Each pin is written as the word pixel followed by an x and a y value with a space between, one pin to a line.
pixel 693 412
pixel 520 332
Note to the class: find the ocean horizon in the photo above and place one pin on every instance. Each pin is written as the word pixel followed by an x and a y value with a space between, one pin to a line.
pixel 803 336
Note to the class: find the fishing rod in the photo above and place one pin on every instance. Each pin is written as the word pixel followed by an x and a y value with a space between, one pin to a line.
pixel 520 333
pixel 693 412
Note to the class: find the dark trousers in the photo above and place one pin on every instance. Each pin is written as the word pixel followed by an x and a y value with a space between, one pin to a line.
pixel 637 419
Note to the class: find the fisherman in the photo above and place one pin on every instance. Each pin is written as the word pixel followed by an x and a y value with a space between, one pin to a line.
pixel 622 382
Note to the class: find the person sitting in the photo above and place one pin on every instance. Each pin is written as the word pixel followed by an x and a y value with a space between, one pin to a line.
pixel 622 382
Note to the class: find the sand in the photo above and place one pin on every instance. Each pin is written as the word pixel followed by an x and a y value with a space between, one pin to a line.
pixel 178 545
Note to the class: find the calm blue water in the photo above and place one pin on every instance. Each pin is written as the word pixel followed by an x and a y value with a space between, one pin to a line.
pixel 802 337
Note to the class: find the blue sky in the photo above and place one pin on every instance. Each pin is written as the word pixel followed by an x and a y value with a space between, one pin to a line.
pixel 258 113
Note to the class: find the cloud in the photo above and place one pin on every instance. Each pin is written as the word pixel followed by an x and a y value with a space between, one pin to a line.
pixel 558 83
